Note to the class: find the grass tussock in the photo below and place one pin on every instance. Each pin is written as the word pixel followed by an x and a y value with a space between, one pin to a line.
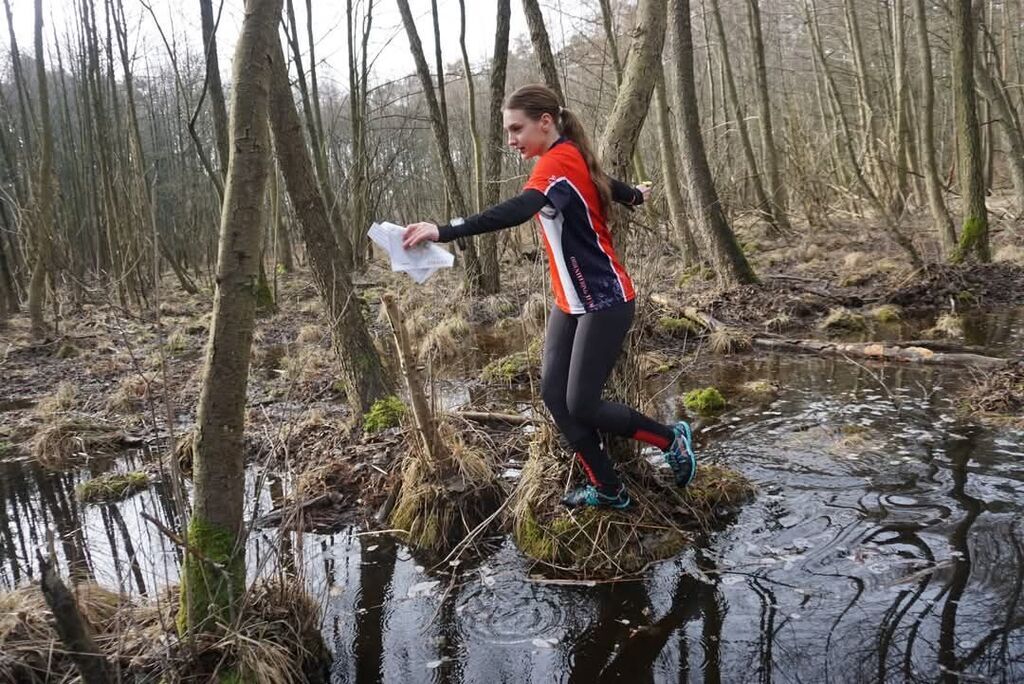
pixel 133 392
pixel 435 508
pixel 515 368
pixel 61 401
pixel 728 340
pixel 446 340
pixel 947 326
pixel 602 543
pixel 111 487
pixel 841 320
pixel 69 439
pixel 276 640
pixel 534 314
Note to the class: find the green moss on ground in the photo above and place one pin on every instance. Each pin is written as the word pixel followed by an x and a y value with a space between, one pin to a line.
pixel 385 413
pixel 704 401
pixel 678 327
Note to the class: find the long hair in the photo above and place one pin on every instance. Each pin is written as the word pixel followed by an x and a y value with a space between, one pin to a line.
pixel 535 100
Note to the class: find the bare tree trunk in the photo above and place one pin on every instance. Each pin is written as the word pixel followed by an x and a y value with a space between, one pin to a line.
pixel 363 374
pixel 776 188
pixel 45 190
pixel 323 173
pixel 213 578
pixel 1006 117
pixel 622 130
pixel 214 86
pixel 613 47
pixel 933 185
pixel 730 264
pixel 900 128
pixel 974 234
pixel 473 270
pixel 670 176
pixel 489 179
pixel 542 46
pixel 764 205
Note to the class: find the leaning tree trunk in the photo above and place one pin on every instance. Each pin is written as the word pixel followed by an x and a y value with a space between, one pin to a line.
pixel 213 577
pixel 1006 117
pixel 933 186
pixel 490 276
pixel 731 266
pixel 776 188
pixel 622 131
pixel 974 234
pixel 542 46
pixel 451 180
pixel 363 374
pixel 213 84
pixel 45 191
pixel 670 177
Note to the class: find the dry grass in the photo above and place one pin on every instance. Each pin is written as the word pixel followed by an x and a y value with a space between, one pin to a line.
pixel 1009 254
pixel 61 401
pixel 446 340
pixel 133 391
pixel 534 314
pixel 276 641
pixel 310 334
pixel 947 326
pixel 729 340
pixel 75 437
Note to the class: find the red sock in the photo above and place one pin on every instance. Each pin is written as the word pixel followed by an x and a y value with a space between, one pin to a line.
pixel 660 441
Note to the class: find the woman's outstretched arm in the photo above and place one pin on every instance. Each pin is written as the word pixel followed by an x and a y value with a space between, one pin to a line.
pixel 509 213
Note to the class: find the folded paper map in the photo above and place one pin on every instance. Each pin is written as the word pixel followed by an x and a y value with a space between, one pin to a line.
pixel 420 261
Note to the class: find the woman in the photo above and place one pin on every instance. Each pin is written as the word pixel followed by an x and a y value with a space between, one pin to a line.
pixel 594 303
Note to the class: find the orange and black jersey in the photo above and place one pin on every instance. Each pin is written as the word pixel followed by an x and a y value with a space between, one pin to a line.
pixel 586 274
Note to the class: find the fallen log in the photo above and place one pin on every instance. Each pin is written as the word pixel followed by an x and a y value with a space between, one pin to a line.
pixel 488 417
pixel 881 352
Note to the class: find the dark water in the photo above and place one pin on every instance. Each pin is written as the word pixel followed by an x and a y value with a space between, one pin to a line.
pixel 885 544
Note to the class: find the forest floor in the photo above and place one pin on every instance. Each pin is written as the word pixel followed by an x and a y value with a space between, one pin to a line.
pixel 127 372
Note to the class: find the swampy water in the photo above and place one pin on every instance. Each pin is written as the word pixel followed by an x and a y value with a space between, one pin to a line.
pixel 885 544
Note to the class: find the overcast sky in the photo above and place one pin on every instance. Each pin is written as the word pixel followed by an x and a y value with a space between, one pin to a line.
pixel 388 42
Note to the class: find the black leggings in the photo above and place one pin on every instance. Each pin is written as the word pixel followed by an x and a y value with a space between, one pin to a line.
pixel 579 354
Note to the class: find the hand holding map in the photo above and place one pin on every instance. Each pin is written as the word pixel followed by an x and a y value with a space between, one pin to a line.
pixel 420 261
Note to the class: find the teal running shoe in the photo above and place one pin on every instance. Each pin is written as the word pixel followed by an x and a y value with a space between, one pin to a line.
pixel 589 495
pixel 680 456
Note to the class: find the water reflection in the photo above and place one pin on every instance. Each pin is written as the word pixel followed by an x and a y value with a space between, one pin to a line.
pixel 884 544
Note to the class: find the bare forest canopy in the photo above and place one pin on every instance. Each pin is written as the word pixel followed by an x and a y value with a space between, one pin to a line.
pixel 860 97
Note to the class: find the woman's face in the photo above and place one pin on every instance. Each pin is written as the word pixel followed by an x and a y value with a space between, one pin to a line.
pixel 531 138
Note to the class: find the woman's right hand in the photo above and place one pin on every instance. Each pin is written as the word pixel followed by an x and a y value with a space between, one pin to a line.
pixel 415 233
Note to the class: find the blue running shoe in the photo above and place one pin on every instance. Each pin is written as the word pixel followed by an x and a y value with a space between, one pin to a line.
pixel 679 454
pixel 589 495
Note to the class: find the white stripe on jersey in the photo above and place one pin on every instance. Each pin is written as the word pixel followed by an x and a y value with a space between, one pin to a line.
pixel 553 233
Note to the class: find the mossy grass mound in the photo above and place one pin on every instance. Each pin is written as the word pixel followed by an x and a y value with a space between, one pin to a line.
pixel 841 320
pixel 886 313
pixel 442 500
pixel 515 368
pixel 604 543
pixel 63 442
pixel 704 402
pixel 111 487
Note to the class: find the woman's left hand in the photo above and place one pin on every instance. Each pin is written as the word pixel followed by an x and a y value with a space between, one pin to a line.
pixel 645 189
